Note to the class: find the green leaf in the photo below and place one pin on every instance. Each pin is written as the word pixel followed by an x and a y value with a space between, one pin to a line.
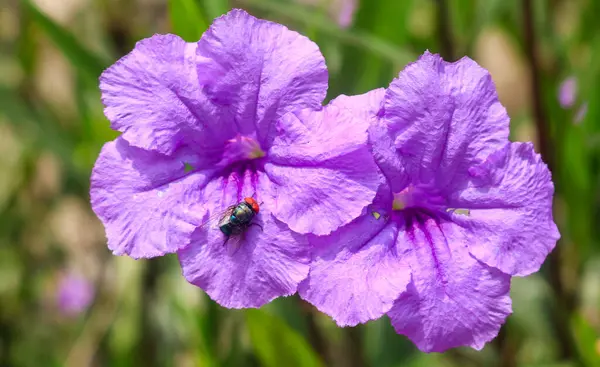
pixel 84 61
pixel 216 8
pixel 381 19
pixel 384 347
pixel 187 19
pixel 276 344
pixel 586 339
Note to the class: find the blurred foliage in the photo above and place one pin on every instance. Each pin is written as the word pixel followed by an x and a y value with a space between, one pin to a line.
pixel 145 314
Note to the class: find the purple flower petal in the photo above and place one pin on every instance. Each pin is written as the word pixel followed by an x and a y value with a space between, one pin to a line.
pixel 257 71
pixel 152 96
pixel 567 92
pixel 251 270
pixel 510 210
pixel 366 106
pixel 143 198
pixel 453 299
pixel 369 106
pixel 323 170
pixel 356 273
pixel 444 117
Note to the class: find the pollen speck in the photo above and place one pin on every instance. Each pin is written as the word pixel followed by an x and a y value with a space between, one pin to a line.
pixel 466 212
pixel 376 215
pixel 187 167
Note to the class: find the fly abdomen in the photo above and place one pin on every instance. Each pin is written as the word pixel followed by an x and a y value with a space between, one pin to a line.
pixel 226 228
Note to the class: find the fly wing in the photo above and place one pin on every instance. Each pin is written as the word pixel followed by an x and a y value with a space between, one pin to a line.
pixel 233 244
pixel 214 219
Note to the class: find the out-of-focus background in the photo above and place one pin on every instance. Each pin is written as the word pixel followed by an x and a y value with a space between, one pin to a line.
pixel 66 301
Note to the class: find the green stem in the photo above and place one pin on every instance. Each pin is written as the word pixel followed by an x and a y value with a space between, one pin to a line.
pixel 445 31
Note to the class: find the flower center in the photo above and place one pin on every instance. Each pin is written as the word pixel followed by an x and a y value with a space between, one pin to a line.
pixel 419 196
pixel 419 200
pixel 241 148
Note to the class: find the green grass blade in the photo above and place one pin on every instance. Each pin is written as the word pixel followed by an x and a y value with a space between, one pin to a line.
pixel 387 19
pixel 84 61
pixel 276 344
pixel 42 130
pixel 586 339
pixel 366 41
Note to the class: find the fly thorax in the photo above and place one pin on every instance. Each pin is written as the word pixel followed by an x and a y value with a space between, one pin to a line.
pixel 243 213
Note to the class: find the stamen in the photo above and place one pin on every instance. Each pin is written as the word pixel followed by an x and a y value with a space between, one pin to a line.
pixel 256 153
pixel 241 148
pixel 403 199
pixel 398 205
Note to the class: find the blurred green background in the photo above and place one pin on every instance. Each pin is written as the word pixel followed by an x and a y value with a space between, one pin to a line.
pixel 143 313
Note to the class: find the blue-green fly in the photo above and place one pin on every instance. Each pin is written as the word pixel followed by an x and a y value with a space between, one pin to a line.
pixel 236 219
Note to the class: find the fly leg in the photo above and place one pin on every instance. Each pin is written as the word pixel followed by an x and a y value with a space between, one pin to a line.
pixel 258 225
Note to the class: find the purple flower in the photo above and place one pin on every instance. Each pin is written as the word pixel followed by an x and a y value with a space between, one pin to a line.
pixel 74 295
pixel 567 92
pixel 206 124
pixel 567 96
pixel 345 9
pixel 460 210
